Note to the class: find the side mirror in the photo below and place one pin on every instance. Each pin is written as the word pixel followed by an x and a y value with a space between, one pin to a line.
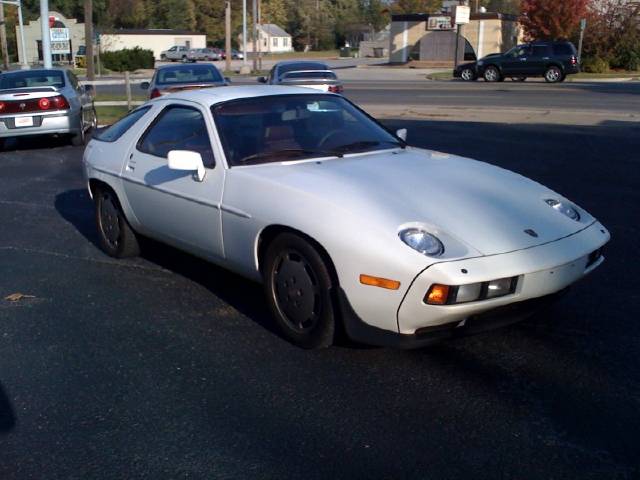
pixel 227 79
pixel 145 85
pixel 88 89
pixel 262 79
pixel 187 160
pixel 402 133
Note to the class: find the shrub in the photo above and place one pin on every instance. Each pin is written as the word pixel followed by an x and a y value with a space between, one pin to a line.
pixel 128 59
pixel 627 56
pixel 595 65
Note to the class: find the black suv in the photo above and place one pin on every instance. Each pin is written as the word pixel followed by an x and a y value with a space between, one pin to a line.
pixel 551 60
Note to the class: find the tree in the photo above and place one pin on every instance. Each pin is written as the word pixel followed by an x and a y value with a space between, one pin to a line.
pixel 274 11
pixel 416 6
pixel 552 19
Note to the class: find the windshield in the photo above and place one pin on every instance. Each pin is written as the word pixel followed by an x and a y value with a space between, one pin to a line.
pixel 326 75
pixel 297 66
pixel 189 74
pixel 291 127
pixel 36 78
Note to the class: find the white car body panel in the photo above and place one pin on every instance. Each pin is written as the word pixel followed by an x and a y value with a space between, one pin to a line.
pixel 354 207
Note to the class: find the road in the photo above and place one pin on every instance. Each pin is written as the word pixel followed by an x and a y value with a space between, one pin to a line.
pixel 166 367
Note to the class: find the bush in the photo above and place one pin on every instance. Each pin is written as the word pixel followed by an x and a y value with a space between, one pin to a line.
pixel 595 65
pixel 627 56
pixel 128 59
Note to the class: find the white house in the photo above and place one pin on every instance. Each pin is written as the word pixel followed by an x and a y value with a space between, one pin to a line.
pixel 272 38
pixel 156 40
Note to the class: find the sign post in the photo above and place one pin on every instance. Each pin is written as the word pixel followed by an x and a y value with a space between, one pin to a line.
pixel 461 16
pixel 583 26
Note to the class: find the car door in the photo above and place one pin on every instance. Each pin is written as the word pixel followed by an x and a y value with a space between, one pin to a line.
pixel 514 62
pixel 537 61
pixel 172 205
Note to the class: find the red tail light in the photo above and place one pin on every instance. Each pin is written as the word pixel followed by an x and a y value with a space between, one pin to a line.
pixel 336 88
pixel 155 93
pixel 58 102
pixel 574 60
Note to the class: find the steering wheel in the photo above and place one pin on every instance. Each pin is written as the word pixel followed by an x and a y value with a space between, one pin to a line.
pixel 327 136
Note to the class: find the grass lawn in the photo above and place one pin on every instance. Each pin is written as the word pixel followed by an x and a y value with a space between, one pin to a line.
pixel 448 75
pixel 110 97
pixel 108 115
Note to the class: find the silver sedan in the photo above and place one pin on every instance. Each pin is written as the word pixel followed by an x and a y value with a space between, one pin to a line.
pixel 342 222
pixel 45 102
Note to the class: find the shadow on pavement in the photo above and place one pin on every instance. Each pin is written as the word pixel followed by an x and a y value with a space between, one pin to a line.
pixel 7 417
pixel 35 143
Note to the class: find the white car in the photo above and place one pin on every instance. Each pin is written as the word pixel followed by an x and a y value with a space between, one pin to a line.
pixel 341 220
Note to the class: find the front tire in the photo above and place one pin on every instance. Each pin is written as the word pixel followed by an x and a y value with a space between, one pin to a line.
pixel 492 74
pixel 553 74
pixel 116 236
pixel 298 287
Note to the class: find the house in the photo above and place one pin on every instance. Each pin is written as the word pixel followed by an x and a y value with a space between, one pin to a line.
pixel 272 38
pixel 156 39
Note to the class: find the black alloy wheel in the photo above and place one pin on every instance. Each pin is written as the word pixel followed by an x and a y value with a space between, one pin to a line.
pixel 116 236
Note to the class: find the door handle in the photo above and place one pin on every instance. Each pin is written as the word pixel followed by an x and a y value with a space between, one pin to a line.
pixel 131 164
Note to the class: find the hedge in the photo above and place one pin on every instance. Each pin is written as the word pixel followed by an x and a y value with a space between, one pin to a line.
pixel 129 59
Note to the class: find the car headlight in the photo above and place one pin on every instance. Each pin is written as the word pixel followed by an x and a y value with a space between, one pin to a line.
pixel 422 241
pixel 564 207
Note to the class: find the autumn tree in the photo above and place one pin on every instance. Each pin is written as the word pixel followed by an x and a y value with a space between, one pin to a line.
pixel 552 19
pixel 416 6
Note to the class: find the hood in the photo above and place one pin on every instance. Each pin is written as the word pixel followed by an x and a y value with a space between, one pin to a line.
pixel 483 206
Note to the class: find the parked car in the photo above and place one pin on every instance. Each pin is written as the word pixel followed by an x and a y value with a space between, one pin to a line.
pixel 304 74
pixel 45 102
pixel 551 60
pixel 176 53
pixel 204 54
pixel 173 78
pixel 342 221
pixel 235 55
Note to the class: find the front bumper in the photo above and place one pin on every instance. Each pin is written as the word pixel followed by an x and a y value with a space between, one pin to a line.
pixel 43 124
pixel 542 272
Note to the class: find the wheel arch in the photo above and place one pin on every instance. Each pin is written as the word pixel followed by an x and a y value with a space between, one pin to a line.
pixel 269 233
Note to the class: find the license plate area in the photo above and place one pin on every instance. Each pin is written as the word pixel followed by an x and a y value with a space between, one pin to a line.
pixel 23 122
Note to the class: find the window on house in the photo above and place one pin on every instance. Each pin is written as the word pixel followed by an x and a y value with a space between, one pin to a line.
pixel 285 42
pixel 275 41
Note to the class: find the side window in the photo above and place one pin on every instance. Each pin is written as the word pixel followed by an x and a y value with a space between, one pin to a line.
pixel 540 51
pixel 115 131
pixel 178 128
pixel 73 80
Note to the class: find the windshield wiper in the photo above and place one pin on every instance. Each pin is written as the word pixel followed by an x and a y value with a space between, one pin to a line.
pixel 286 151
pixel 366 144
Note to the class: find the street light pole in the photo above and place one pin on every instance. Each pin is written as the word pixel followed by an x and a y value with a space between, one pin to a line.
pixel 46 39
pixel 255 35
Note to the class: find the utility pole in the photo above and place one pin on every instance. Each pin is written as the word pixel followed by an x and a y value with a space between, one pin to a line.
pixel 88 38
pixel 260 43
pixel 583 26
pixel 3 39
pixel 244 32
pixel 254 37
pixel 227 34
pixel 46 36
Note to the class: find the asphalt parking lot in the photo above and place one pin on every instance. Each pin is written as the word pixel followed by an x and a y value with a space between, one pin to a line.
pixel 167 367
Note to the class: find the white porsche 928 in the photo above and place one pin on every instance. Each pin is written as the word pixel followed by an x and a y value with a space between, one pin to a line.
pixel 343 222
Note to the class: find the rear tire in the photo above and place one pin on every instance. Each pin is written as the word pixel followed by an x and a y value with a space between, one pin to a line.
pixel 468 75
pixel 298 288
pixel 492 74
pixel 116 236
pixel 553 74
pixel 79 139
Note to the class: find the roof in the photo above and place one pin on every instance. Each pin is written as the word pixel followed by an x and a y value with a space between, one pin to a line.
pixel 212 96
pixel 304 63
pixel 149 31
pixel 273 30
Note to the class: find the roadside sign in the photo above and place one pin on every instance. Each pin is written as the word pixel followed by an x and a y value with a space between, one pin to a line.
pixel 59 34
pixel 439 23
pixel 461 14
pixel 583 24
pixel 60 47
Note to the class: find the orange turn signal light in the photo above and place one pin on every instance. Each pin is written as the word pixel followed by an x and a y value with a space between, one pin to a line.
pixel 379 282
pixel 438 294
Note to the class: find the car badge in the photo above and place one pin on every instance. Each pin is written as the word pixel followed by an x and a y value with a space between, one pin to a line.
pixel 23 106
pixel 531 232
